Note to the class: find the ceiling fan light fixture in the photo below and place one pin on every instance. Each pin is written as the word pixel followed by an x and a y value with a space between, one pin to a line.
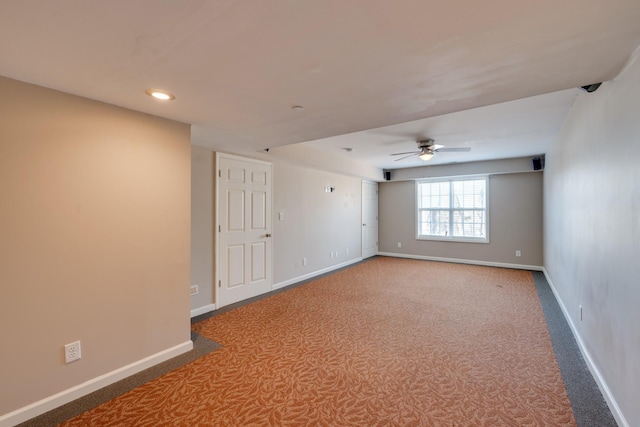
pixel 427 149
pixel 426 155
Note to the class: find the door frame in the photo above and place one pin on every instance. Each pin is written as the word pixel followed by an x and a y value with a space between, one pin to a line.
pixel 364 219
pixel 216 226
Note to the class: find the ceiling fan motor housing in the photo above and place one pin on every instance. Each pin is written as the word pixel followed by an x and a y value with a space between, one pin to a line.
pixel 425 143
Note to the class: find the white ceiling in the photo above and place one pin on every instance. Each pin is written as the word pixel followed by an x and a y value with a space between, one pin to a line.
pixel 363 68
pixel 524 127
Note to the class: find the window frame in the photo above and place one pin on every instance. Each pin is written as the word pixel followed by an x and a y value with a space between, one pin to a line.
pixel 451 209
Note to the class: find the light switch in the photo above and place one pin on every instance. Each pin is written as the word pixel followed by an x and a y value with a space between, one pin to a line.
pixel 281 216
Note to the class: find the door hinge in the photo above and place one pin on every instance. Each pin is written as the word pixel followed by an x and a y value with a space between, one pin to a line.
pixel 220 173
pixel 219 283
pixel 219 229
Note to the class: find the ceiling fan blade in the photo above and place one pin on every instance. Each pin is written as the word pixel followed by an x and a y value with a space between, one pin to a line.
pixel 408 152
pixel 453 150
pixel 405 157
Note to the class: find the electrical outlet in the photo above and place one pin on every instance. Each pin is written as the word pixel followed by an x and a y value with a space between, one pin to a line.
pixel 304 261
pixel 399 244
pixel 194 289
pixel 72 352
pixel 518 253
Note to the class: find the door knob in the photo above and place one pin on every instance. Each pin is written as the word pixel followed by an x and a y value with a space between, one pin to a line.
pixel 267 235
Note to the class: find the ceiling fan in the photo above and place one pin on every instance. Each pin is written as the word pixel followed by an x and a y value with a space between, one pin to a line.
pixel 427 149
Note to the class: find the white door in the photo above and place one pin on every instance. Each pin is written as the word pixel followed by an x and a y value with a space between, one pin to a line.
pixel 244 229
pixel 369 219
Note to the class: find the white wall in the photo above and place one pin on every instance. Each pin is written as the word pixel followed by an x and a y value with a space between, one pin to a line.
pixel 592 232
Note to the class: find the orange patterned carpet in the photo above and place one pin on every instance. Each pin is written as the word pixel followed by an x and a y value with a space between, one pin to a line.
pixel 389 342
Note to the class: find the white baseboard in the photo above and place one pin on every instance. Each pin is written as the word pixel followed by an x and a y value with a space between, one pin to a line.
pixel 595 372
pixel 314 274
pixel 464 261
pixel 202 310
pixel 40 407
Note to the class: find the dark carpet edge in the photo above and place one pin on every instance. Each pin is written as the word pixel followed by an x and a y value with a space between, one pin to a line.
pixel 201 347
pixel 589 407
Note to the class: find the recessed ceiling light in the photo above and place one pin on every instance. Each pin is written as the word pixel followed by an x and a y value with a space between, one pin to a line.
pixel 347 149
pixel 160 94
pixel 297 108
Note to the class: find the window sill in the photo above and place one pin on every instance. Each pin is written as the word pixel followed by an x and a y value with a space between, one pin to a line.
pixel 452 239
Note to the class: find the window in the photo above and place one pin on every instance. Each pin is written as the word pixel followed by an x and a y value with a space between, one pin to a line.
pixel 453 209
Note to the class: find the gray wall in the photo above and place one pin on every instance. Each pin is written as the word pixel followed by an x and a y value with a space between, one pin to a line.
pixel 592 231
pixel 515 217
pixel 315 223
pixel 202 191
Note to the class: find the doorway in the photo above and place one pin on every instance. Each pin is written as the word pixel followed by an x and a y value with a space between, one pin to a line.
pixel 369 219
pixel 244 249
